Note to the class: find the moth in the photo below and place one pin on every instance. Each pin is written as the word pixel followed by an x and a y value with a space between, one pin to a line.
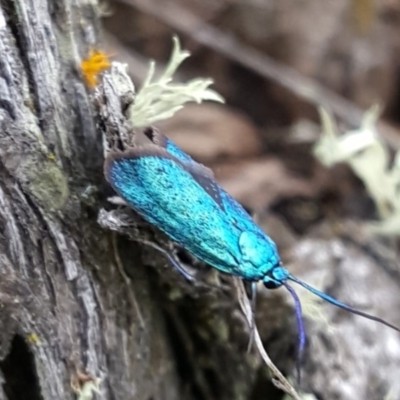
pixel 182 198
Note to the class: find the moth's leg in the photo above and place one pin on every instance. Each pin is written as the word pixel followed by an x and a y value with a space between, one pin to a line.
pixel 122 220
pixel 253 295
pixel 175 263
pixel 116 220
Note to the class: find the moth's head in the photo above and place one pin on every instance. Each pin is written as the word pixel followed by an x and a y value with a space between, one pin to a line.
pixel 276 277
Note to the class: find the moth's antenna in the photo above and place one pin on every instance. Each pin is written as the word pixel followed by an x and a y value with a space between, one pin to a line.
pixel 339 304
pixel 301 331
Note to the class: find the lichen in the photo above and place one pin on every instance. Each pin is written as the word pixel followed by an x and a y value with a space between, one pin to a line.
pixel 368 156
pixel 92 66
pixel 161 98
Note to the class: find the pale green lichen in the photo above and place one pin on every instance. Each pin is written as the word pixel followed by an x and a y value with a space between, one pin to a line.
pixel 161 98
pixel 369 158
pixel 88 390
pixel 390 395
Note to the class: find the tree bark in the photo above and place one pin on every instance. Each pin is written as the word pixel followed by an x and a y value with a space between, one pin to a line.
pixel 69 311
pixel 64 303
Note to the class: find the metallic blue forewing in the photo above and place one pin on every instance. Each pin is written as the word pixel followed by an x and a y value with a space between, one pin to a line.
pixel 170 190
pixel 235 212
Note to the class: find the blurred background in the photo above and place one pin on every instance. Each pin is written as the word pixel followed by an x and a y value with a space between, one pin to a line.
pixel 275 62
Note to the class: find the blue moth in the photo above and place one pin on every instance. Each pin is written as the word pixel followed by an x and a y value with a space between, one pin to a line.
pixel 181 197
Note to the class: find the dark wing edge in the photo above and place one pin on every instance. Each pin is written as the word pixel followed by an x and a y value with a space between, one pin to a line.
pixel 159 139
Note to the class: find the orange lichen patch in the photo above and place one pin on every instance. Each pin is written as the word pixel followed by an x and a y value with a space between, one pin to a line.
pixel 93 65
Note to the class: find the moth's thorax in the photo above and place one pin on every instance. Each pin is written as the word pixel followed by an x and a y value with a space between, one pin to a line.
pixel 259 255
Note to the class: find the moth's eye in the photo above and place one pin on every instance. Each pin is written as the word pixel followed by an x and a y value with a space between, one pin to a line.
pixel 271 283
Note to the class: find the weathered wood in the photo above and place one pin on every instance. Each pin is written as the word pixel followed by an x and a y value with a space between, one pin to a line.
pixel 63 302
pixel 78 300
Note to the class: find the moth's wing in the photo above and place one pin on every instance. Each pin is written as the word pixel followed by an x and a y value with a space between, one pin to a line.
pixel 203 175
pixel 167 193
pixel 237 215
pixel 163 141
pixel 159 139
